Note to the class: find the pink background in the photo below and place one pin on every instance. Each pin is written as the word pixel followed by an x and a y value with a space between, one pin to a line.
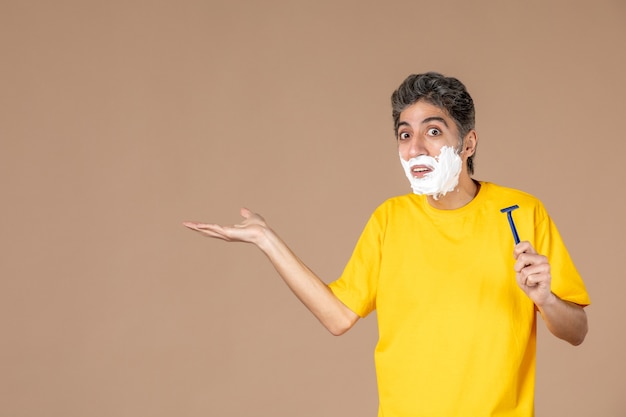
pixel 121 119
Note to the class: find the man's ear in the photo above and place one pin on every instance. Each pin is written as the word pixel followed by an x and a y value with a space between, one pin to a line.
pixel 469 143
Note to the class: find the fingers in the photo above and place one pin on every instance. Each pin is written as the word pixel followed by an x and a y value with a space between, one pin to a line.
pixel 531 263
pixel 526 256
pixel 532 270
pixel 248 214
pixel 532 280
pixel 191 225
pixel 245 213
pixel 199 227
pixel 534 276
pixel 211 230
pixel 203 227
pixel 523 247
pixel 250 229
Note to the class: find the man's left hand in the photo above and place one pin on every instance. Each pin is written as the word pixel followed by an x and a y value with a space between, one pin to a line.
pixel 532 273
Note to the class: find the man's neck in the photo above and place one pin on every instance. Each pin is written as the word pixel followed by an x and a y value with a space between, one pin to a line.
pixel 457 198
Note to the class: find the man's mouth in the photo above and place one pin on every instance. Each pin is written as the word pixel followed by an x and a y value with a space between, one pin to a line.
pixel 418 171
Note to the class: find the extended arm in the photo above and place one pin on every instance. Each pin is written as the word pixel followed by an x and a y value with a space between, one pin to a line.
pixel 307 286
pixel 566 320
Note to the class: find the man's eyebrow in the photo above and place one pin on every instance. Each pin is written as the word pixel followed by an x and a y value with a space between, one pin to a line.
pixel 402 124
pixel 435 119
pixel 426 120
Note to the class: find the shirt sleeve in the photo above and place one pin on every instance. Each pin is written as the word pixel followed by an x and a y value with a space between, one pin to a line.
pixel 358 285
pixel 567 283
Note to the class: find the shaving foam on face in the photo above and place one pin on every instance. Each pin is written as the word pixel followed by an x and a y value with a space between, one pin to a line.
pixel 444 176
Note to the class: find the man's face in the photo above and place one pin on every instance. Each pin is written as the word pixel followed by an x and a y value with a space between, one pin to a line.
pixel 429 149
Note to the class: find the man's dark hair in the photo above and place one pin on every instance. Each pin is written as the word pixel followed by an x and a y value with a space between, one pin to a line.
pixel 447 93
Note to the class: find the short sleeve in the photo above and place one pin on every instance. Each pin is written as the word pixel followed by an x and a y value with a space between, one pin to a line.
pixel 567 283
pixel 358 285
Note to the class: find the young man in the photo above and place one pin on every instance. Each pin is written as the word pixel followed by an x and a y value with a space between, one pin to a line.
pixel 456 301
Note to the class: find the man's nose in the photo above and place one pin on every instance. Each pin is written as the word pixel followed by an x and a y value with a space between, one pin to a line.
pixel 416 148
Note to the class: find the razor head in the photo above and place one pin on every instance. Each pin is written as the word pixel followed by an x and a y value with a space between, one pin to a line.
pixel 509 209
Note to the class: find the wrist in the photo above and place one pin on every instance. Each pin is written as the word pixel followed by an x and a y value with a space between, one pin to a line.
pixel 549 301
pixel 266 239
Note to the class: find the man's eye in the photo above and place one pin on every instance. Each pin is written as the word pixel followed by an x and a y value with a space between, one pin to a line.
pixel 434 132
pixel 404 135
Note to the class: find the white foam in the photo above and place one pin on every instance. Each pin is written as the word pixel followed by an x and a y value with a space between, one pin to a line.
pixel 443 178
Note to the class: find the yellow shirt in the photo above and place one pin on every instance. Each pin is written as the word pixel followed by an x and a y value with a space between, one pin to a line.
pixel 457 335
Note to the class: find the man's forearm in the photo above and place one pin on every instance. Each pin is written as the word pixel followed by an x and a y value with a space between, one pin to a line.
pixel 567 321
pixel 307 286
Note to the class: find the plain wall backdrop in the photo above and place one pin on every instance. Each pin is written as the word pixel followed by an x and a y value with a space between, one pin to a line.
pixel 119 120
